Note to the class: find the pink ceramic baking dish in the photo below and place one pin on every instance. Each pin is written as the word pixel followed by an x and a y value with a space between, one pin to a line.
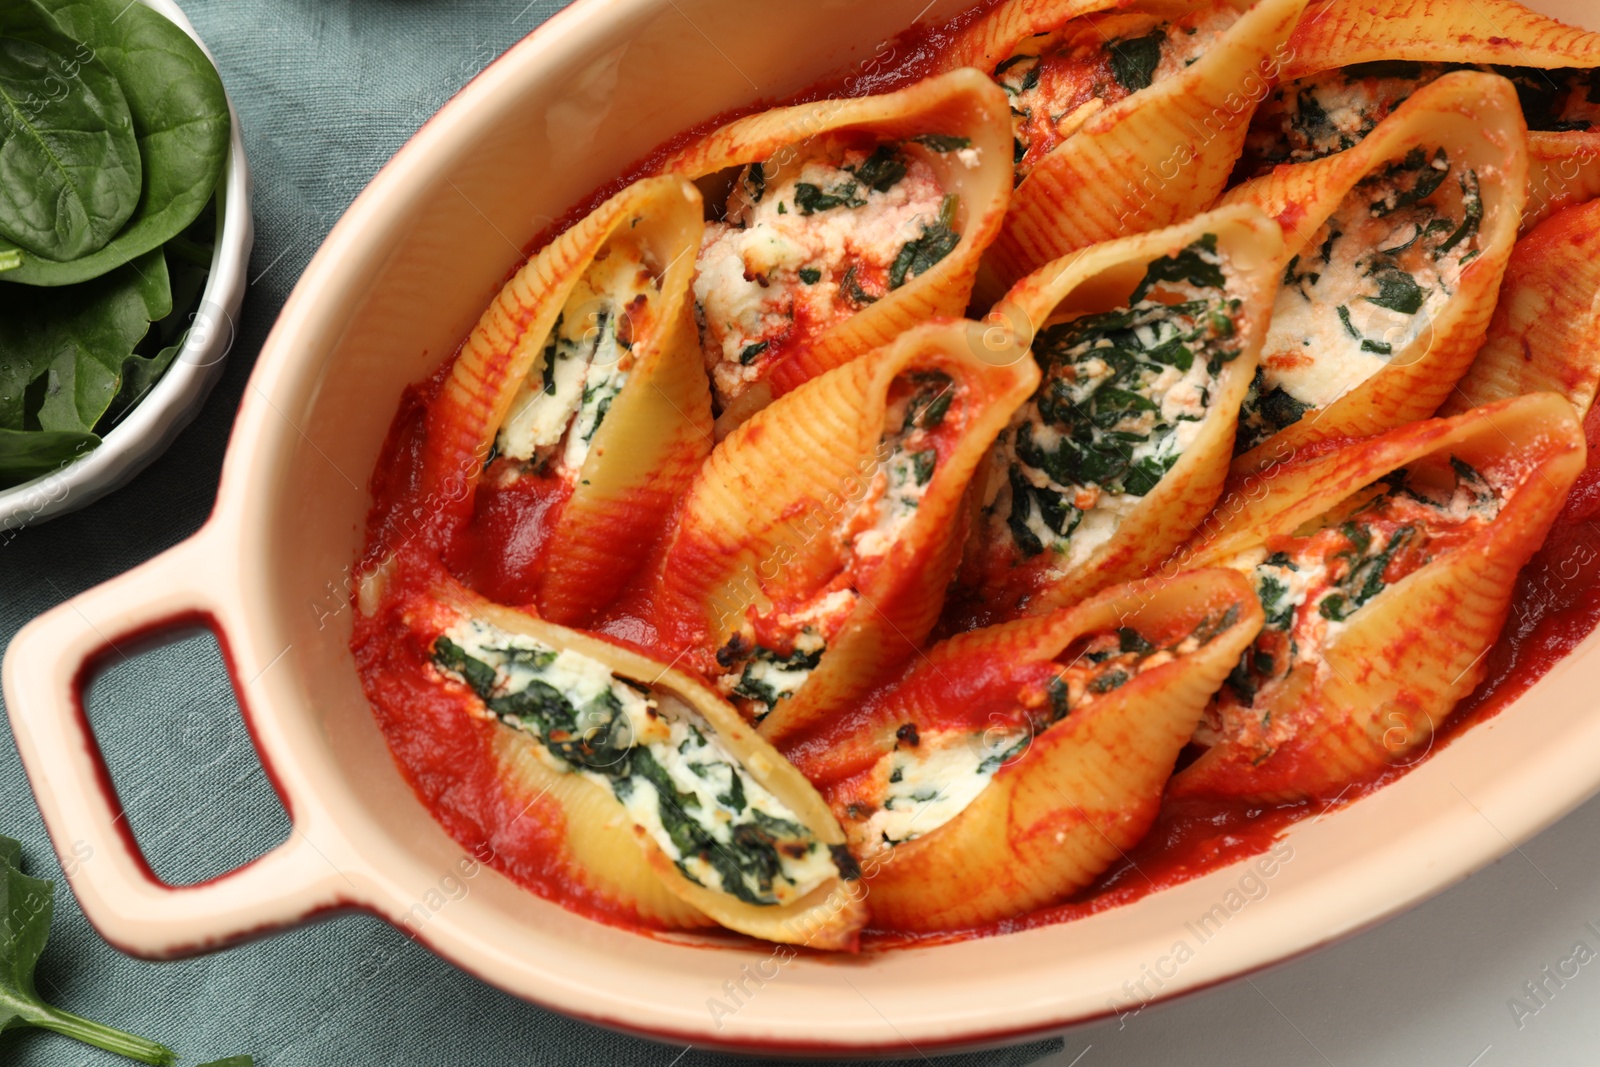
pixel 399 281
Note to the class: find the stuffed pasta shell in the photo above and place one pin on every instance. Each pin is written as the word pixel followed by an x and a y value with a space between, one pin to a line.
pixel 1396 251
pixel 1124 117
pixel 1352 62
pixel 577 410
pixel 1147 347
pixel 1545 334
pixel 837 225
pixel 814 548
pixel 1012 765
pixel 659 798
pixel 1385 569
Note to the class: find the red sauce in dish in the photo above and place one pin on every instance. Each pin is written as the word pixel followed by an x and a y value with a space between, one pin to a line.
pixel 444 751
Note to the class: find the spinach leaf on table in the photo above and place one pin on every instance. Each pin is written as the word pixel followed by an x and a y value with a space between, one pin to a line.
pixel 62 355
pixel 69 160
pixel 180 115
pixel 26 907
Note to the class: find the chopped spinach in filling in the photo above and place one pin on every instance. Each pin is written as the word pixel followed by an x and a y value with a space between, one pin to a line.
pixel 1365 288
pixel 760 671
pixel 1057 80
pixel 667 768
pixel 1310 585
pixel 769 676
pixel 806 243
pixel 1123 394
pixel 584 365
pixel 1329 112
pixel 931 776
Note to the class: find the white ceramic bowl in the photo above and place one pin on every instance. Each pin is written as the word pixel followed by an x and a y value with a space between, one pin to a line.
pixel 398 283
pixel 172 403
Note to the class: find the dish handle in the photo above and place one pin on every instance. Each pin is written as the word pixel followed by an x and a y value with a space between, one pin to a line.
pixel 44 674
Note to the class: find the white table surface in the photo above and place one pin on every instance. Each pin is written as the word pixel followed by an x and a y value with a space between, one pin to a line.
pixel 1431 987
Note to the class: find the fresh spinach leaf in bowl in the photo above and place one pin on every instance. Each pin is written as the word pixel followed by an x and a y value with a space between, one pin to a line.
pixel 84 335
pixel 69 161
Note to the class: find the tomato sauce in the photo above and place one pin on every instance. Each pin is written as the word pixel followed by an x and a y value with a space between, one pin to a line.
pixel 491 540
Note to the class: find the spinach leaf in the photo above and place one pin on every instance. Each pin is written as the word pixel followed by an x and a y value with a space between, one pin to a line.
pixel 180 116
pixel 26 906
pixel 25 455
pixel 1397 291
pixel 810 199
pixel 69 162
pixel 942 142
pixel 882 170
pixel 1426 175
pixel 1134 60
pixel 62 357
pixel 1472 209
pixel 189 266
pixel 1190 264
pixel 858 297
pixel 936 241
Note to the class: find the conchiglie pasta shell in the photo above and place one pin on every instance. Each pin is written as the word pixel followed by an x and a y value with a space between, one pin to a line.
pixel 1407 656
pixel 1155 157
pixel 1088 787
pixel 1100 279
pixel 1563 170
pixel 658 428
pixel 762 518
pixel 641 461
pixel 1338 33
pixel 994 37
pixel 603 851
pixel 1545 335
pixel 613 853
pixel 1476 118
pixel 962 103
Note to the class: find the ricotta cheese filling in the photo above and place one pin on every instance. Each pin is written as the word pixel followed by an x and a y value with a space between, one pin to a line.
pixel 807 243
pixel 931 776
pixel 773 655
pixel 586 362
pixel 1366 288
pixel 1123 394
pixel 1331 111
pixel 1310 584
pixel 663 763
pixel 1057 80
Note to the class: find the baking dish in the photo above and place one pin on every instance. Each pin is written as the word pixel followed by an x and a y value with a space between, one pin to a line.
pixel 395 287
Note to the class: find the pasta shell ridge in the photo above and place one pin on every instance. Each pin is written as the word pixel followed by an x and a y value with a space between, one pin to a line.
pixel 1087 787
pixel 1338 33
pixel 1404 659
pixel 1545 334
pixel 1563 170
